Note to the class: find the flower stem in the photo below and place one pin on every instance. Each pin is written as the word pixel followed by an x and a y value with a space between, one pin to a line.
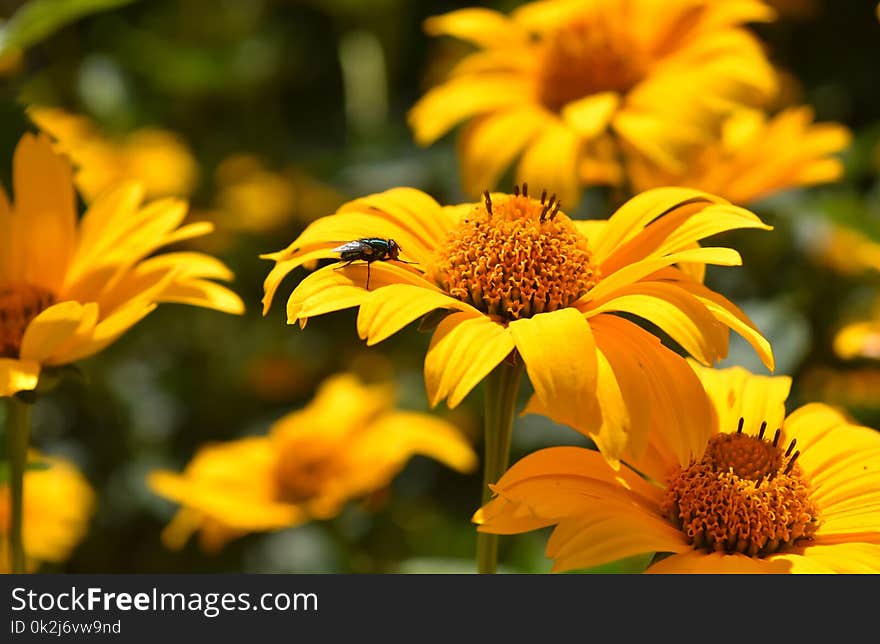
pixel 18 430
pixel 502 386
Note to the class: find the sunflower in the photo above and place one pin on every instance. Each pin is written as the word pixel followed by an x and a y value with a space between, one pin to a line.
pixel 555 80
pixel 348 442
pixel 154 157
pixel 512 281
pixel 753 156
pixel 58 505
pixel 69 288
pixel 754 492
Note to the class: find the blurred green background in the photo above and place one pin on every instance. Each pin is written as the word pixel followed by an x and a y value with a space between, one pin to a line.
pixel 317 92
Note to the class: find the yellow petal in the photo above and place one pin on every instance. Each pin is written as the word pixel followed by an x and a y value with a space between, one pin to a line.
pixel 107 331
pixel 551 162
pixel 463 350
pixel 393 438
pixel 736 393
pixel 590 116
pixel 45 206
pixel 489 144
pixel 205 294
pixel 675 311
pixel 51 329
pixel 483 27
pixel 389 309
pixel 460 98
pixel 18 375
pixel 338 287
pixel 635 272
pixel 846 558
pixel 560 357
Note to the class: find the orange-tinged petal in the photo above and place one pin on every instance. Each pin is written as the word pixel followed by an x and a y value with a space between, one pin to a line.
pixel 551 162
pixel 699 562
pixel 483 27
pixel 489 144
pixel 590 116
pixel 501 516
pixel 641 210
pixel 582 469
pixel 617 533
pixel 464 349
pixel 389 309
pixel 560 357
pixel 737 393
pixel 18 375
pixel 46 210
pixel 664 397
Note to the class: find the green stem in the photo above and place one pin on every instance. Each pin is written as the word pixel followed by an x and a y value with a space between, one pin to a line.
pixel 502 386
pixel 18 430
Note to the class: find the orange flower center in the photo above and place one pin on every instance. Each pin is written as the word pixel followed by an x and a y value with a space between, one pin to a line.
pixel 19 304
pixel 746 495
pixel 586 57
pixel 304 468
pixel 514 257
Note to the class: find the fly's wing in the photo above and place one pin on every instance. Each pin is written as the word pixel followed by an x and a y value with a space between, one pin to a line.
pixel 353 250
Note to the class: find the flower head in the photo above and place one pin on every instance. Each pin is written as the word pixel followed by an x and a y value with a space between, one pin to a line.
pixel 58 503
pixel 553 82
pixel 156 158
pixel 755 491
pixel 348 442
pixel 512 277
pixel 70 288
pixel 753 156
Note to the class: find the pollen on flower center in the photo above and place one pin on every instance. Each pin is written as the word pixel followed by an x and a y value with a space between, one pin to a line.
pixel 514 257
pixel 746 495
pixel 586 57
pixel 19 304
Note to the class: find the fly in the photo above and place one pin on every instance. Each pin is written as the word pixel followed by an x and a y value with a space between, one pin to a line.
pixel 369 250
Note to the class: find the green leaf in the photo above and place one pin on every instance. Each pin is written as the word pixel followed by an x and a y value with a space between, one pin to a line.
pixel 39 19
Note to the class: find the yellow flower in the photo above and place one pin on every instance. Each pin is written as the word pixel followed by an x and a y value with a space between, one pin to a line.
pixel 349 441
pixel 156 158
pixel 556 77
pixel 253 198
pixel 739 497
pixel 518 280
pixel 69 288
pixel 858 340
pixel 753 157
pixel 58 503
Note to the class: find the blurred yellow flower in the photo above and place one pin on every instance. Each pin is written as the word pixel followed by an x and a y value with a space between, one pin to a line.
pixel 69 288
pixel 848 251
pixel 156 158
pixel 58 503
pixel 253 198
pixel 741 496
pixel 349 441
pixel 858 340
pixel 555 76
pixel 753 157
pixel 517 280
pixel 849 387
